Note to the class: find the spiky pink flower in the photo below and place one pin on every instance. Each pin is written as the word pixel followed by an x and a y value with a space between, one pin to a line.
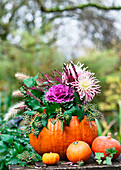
pixel 71 72
pixel 81 79
pixel 87 86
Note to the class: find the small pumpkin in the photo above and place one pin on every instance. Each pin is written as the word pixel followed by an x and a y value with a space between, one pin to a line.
pixel 102 142
pixel 77 151
pixel 50 158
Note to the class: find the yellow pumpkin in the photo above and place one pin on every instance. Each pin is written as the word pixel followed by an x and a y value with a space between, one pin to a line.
pixel 50 158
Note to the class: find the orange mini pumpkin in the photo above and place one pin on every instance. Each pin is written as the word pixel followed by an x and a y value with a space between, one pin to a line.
pixel 50 158
pixel 52 139
pixel 102 142
pixel 78 151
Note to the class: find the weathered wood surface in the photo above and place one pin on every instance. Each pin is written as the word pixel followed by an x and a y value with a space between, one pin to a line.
pixel 90 164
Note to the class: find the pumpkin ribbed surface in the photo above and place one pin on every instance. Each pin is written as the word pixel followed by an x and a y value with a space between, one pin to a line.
pixel 50 158
pixel 52 139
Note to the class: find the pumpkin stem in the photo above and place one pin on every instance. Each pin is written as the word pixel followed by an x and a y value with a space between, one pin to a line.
pixel 109 136
pixel 75 143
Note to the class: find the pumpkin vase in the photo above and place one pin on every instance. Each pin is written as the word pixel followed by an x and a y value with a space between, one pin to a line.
pixel 52 139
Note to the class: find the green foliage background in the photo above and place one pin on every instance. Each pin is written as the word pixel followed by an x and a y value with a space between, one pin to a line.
pixel 33 55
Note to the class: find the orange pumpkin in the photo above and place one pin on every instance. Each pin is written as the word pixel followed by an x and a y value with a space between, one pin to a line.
pixel 78 151
pixel 102 142
pixel 52 139
pixel 50 158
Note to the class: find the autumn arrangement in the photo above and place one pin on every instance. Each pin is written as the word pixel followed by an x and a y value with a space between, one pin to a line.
pixel 58 112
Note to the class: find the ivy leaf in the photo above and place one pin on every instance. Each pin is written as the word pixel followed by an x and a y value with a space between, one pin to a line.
pixel 80 163
pixel 18 147
pixel 2 157
pixel 34 104
pixel 52 115
pixel 75 110
pixel 111 150
pixel 37 158
pixel 44 122
pixel 31 81
pixel 77 98
pixel 13 152
pixel 40 110
pixel 107 161
pixel 67 117
pixel 3 147
pixel 51 108
pixel 13 161
pixel 99 161
pixel 7 138
pixel 30 112
pixel 80 114
pixel 22 163
pixel 1 165
pixel 35 77
pixel 99 155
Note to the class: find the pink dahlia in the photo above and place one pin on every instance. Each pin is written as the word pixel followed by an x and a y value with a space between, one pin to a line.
pixel 60 94
pixel 71 72
pixel 86 86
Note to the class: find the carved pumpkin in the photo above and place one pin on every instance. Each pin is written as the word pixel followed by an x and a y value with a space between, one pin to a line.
pixel 78 151
pixel 102 142
pixel 50 158
pixel 52 139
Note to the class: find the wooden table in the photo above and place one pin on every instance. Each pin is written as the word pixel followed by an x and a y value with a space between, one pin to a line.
pixel 90 164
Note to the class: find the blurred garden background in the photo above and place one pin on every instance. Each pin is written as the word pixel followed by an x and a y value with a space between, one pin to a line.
pixel 38 36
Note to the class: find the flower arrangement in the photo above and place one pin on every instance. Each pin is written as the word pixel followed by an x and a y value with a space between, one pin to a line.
pixel 59 96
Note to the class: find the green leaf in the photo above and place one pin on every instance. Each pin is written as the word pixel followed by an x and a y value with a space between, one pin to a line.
pixel 31 81
pixel 30 112
pixel 80 163
pixel 111 150
pixel 13 152
pixel 23 163
pixel 13 161
pixel 61 125
pixel 80 114
pixel 51 108
pixel 2 157
pixel 99 161
pixel 34 104
pixel 37 158
pixel 7 138
pixel 99 155
pixel 2 165
pixel 18 147
pixel 40 110
pixel 77 98
pixel 52 115
pixel 107 161
pixel 35 77
pixel 44 122
pixel 67 117
pixel 75 110
pixel 3 147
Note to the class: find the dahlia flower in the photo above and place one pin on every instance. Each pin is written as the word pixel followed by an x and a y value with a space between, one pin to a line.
pixel 86 86
pixel 82 80
pixel 71 72
pixel 60 94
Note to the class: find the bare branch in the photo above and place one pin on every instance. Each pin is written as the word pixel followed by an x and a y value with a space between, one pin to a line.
pixel 80 6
